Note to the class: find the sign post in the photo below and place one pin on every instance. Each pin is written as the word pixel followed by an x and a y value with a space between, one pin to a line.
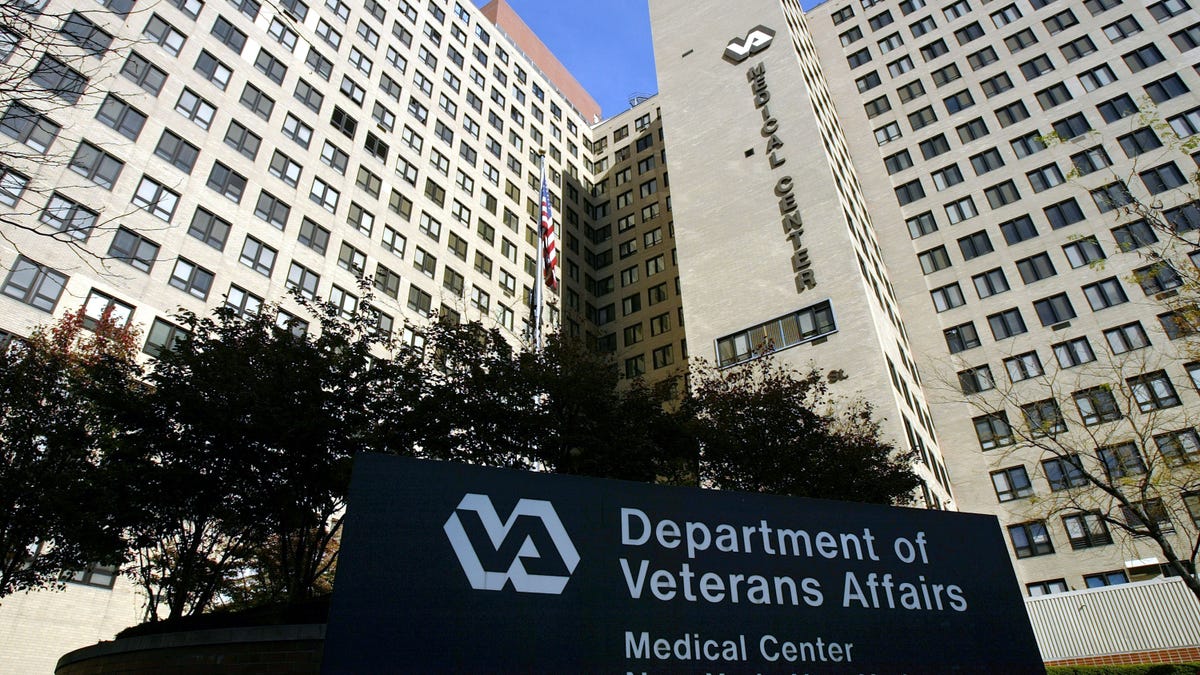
pixel 453 568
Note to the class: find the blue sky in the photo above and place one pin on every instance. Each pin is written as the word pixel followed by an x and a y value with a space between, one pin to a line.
pixel 606 45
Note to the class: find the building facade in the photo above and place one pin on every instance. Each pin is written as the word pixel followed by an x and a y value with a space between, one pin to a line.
pixel 962 166
pixel 189 154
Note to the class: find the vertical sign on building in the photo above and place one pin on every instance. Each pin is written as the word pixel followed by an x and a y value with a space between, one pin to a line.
pixel 452 568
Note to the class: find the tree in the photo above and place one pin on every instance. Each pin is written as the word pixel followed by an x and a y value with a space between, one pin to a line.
pixel 1129 461
pixel 561 410
pixel 1121 462
pixel 59 508
pixel 245 436
pixel 763 427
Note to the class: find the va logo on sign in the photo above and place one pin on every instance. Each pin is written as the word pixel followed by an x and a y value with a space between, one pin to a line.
pixel 534 517
pixel 739 50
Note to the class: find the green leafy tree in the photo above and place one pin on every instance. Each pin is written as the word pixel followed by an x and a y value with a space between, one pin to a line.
pixel 59 510
pixel 762 427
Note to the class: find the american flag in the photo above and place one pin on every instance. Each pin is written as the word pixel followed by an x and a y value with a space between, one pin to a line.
pixel 549 240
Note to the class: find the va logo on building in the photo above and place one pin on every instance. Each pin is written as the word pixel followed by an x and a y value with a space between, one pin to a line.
pixel 530 519
pixel 758 39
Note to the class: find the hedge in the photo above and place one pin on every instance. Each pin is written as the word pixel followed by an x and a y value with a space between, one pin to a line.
pixel 1139 669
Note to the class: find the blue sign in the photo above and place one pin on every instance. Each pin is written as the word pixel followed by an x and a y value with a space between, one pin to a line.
pixel 449 568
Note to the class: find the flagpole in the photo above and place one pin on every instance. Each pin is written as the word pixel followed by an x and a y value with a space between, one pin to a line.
pixel 539 280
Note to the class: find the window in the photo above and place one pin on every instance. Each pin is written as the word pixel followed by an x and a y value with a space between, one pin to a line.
pixel 308 95
pixel 1166 89
pixel 1187 39
pixel 1162 178
pixel 191 278
pixel 1006 324
pixel 1073 352
pixel 1011 483
pixel 1127 338
pixel 1030 539
pixel 945 75
pixel 1023 367
pixel 975 245
pixel 96 165
pixel 1179 447
pixel 1064 472
pixel 1018 230
pixel 1162 11
pixel 900 66
pixel 1097 405
pixel 164 34
pixel 1134 235
pixel 1178 323
pixel 1044 418
pixel 961 338
pixel 868 81
pixel 1012 113
pixel 1060 22
pixel 1035 268
pixel 1106 579
pixel 989 283
pixel 968 33
pixel 273 210
pixel 1122 28
pixel 932 50
pixel 982 58
pixel 1157 278
pixel 1143 57
pixel 910 91
pixel 956 9
pixel 258 256
pixel 1078 48
pixel 1054 309
pixel 34 284
pixel 859 57
pixel 1154 509
pixel 1002 194
pixel 1104 293
pixel 880 20
pixel 909 192
pixel 972 131
pixel 947 297
pixel 243 302
pixel 209 228
pixel 225 33
pixel 1036 67
pixel 190 105
pixel 960 210
pixel 162 337
pixel 934 146
pixel 257 102
pixel 324 194
pixel 977 379
pixel 898 162
pixel 887 133
pixel 993 430
pixel 1020 40
pixel 1006 15
pixel 26 125
pixel 1070 127
pixel 1153 391
pixel 996 85
pixel 1086 530
pixel 1121 460
pixel 352 260
pixel 1049 587
pixel 934 259
pixel 133 249
pixel 805 325
pixel 270 66
pixel 114 113
pixel 146 75
pixel 153 197
pixel 877 107
pixel 316 237
pixel 1053 96
pixel 1029 144
pixel 304 280
pixel 921 225
pixel 947 177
